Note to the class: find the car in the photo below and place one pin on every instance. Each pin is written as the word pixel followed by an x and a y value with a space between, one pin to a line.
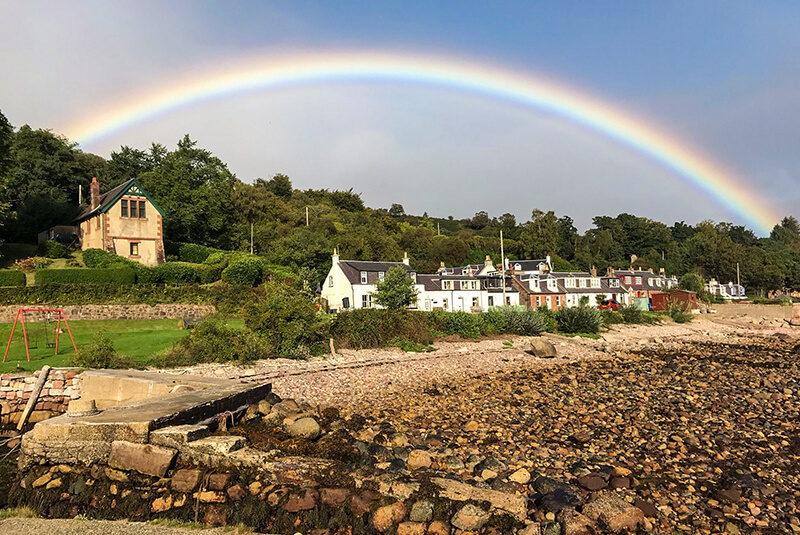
pixel 609 304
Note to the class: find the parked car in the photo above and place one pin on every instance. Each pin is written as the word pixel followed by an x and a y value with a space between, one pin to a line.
pixel 609 304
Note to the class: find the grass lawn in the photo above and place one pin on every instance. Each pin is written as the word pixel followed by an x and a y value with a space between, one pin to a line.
pixel 138 339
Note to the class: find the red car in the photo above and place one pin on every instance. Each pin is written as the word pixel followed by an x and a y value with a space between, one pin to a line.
pixel 608 304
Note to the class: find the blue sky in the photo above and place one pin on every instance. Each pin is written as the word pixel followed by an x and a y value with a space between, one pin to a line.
pixel 721 76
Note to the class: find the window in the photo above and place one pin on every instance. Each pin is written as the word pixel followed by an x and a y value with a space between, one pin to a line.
pixel 134 248
pixel 558 300
pixel 569 283
pixel 141 210
pixel 345 302
pixel 124 208
pixel 582 283
pixel 134 211
pixel 628 280
pixel 366 301
pixel 474 301
pixel 445 304
pixel 613 283
pixel 491 300
pixel 447 285
pixel 538 300
pixel 363 277
pixel 330 281
pixel 380 275
pixel 595 282
pixel 638 281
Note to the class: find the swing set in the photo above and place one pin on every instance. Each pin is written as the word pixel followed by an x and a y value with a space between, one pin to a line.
pixel 33 343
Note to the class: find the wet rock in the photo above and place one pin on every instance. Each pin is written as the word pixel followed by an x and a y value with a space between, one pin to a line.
pixel 489 463
pixel 334 497
pixel 453 463
pixel 647 508
pixel 555 501
pixel 592 482
pixel 470 518
pixel 547 485
pixel 574 523
pixel 286 407
pixel 411 528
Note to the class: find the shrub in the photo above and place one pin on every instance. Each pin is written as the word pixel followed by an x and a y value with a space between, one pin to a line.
pixel 680 314
pixel 193 253
pixel 612 317
pixel 207 274
pixel 219 257
pixel 212 341
pixel 287 319
pixel 100 353
pixel 28 265
pixel 243 271
pixel 175 273
pixel 516 320
pixel 12 277
pixel 579 320
pixel 53 249
pixel 85 276
pixel 463 324
pixel 371 327
pixel 98 258
pixel 631 314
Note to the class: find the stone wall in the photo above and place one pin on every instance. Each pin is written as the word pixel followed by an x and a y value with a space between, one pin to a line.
pixel 117 312
pixel 61 386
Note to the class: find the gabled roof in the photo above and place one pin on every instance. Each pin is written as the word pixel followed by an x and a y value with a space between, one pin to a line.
pixel 352 269
pixel 110 197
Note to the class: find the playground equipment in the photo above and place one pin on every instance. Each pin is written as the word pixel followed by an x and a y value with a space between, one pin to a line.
pixel 46 319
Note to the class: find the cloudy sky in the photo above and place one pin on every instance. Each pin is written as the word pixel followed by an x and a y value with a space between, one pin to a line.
pixel 720 77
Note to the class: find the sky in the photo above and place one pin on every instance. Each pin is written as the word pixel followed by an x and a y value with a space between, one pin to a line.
pixel 720 77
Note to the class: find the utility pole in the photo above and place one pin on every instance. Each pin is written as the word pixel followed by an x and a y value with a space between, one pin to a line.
pixel 503 263
pixel 738 280
pixel 306 215
pixel 438 230
pixel 80 194
pixel 251 238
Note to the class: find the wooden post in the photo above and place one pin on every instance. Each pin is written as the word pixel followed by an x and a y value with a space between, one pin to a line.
pixel 333 349
pixel 37 389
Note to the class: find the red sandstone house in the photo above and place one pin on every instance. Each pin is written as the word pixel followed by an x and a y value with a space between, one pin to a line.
pixel 124 221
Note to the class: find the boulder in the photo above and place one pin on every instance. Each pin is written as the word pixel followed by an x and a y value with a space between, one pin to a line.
pixel 614 513
pixel 470 518
pixel 542 348
pixel 304 428
pixel 143 458
pixel 186 480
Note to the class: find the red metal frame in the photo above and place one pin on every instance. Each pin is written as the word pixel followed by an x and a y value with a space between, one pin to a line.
pixel 21 314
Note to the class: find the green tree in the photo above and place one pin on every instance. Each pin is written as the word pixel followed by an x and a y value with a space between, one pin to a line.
pixel 692 282
pixel 396 291
pixel 6 138
pixel 539 236
pixel 397 210
pixel 280 186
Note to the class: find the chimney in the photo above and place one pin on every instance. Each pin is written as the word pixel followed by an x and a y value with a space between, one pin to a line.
pixel 549 264
pixel 506 264
pixel 593 271
pixel 406 261
pixel 95 191
pixel 441 267
pixel 488 262
pixel 335 256
pixel 662 272
pixel 610 271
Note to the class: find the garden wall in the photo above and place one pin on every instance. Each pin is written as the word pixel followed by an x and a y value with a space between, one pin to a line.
pixel 61 386
pixel 119 312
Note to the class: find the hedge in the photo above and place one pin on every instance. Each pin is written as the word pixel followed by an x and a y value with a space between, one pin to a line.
pixel 98 258
pixel 85 276
pixel 243 271
pixel 193 253
pixel 12 277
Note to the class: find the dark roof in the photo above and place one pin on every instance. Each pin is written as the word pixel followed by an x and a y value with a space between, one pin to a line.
pixel 108 199
pixel 430 283
pixel 352 269
pixel 527 265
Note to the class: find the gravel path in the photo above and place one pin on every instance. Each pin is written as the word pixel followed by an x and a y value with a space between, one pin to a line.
pixel 39 526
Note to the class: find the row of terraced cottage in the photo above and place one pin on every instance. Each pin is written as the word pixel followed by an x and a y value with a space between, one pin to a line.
pixel 475 288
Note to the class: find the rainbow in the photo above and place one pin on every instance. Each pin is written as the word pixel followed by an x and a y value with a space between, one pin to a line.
pixel 536 92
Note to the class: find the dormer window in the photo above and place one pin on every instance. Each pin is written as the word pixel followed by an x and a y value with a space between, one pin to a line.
pixel 363 277
pixel 595 282
pixel 638 281
pixel 517 267
pixel 447 285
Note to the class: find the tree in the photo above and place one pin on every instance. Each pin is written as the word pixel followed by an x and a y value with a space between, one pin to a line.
pixel 540 235
pixel 396 291
pixel 6 137
pixel 280 185
pixel 397 210
pixel 692 282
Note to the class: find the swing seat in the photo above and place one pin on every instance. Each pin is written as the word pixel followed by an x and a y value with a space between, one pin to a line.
pixel 50 345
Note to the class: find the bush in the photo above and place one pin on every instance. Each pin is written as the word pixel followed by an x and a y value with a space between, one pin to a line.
pixel 243 271
pixel 193 253
pixel 631 314
pixel 174 273
pixel 100 353
pixel 680 314
pixel 516 320
pixel 207 274
pixel 53 249
pixel 98 258
pixel 288 320
pixel 212 341
pixel 85 276
pixel 28 265
pixel 12 277
pixel 374 327
pixel 219 257
pixel 579 320
pixel 612 317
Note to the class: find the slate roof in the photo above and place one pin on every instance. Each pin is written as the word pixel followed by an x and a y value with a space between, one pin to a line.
pixel 108 198
pixel 352 269
pixel 646 276
pixel 527 265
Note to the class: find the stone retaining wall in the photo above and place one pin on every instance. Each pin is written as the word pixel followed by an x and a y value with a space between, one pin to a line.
pixel 61 386
pixel 117 312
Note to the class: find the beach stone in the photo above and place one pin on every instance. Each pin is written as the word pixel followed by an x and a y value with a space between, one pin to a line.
pixel 388 515
pixel 162 504
pixel 303 501
pixel 116 475
pixel 574 523
pixel 471 426
pixel 542 348
pixel 521 476
pixel 334 497
pixel 470 518
pixel 186 480
pixel 411 528
pixel 304 428
pixel 421 511
pixel 592 482
pixel 43 480
pixel 218 481
pixel 418 459
pixel 143 458
pixel 437 527
pixel 210 496
pixel 236 493
pixel 614 513
pixel 647 508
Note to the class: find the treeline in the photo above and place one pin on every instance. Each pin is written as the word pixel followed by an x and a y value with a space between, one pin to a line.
pixel 206 204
